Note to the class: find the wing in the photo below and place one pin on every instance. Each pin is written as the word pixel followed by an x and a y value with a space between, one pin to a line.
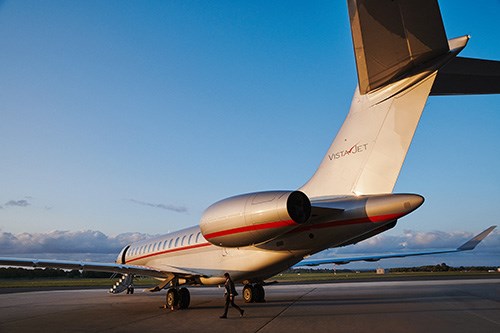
pixel 467 246
pixel 165 273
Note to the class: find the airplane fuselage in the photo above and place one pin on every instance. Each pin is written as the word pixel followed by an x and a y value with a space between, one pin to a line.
pixel 351 220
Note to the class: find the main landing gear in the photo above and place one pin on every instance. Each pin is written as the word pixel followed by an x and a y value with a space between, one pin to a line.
pixel 178 298
pixel 254 293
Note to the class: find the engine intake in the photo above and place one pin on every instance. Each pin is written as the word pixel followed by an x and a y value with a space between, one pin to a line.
pixel 254 218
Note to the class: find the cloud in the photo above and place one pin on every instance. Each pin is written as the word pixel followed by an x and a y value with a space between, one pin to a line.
pixel 96 246
pixel 174 208
pixel 487 252
pixel 17 203
pixel 64 242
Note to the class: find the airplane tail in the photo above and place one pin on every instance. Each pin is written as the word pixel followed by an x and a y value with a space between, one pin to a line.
pixel 402 56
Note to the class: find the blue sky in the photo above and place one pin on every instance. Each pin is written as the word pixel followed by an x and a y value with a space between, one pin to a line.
pixel 132 116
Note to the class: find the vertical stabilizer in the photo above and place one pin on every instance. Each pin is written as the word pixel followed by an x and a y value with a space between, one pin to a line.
pixel 370 148
pixel 399 47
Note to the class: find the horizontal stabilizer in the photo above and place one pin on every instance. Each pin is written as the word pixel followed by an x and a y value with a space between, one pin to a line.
pixel 393 37
pixel 469 245
pixel 468 76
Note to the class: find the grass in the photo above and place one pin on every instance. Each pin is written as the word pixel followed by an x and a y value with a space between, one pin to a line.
pixel 69 282
pixel 283 277
pixel 330 276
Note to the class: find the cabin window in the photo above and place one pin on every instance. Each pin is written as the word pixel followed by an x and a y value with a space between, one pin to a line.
pixel 190 239
pixel 176 241
pixel 183 240
pixel 170 243
pixel 165 244
pixel 198 237
pixel 149 248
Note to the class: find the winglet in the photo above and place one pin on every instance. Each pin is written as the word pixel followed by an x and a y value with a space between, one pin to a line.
pixel 471 244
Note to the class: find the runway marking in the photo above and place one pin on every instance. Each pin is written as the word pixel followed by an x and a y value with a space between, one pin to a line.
pixel 286 308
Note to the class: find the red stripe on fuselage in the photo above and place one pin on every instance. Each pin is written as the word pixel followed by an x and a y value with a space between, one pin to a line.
pixel 262 226
pixel 383 218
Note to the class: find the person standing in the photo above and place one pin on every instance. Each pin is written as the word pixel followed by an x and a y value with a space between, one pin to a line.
pixel 230 293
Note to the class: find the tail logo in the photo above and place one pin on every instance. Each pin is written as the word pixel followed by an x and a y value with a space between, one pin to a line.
pixel 357 148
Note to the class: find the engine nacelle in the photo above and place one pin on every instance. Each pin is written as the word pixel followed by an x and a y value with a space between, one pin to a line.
pixel 254 218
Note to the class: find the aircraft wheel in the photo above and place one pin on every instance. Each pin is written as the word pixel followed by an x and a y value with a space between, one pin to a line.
pixel 248 293
pixel 172 298
pixel 184 298
pixel 260 293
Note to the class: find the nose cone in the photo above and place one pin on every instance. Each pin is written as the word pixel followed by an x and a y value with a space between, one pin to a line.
pixel 392 206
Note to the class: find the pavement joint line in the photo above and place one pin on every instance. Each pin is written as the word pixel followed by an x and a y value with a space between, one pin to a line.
pixel 474 313
pixel 286 308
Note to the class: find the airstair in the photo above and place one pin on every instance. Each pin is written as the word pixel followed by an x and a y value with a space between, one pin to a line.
pixel 122 284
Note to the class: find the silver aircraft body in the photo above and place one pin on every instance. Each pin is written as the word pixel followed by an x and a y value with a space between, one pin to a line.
pixel 402 56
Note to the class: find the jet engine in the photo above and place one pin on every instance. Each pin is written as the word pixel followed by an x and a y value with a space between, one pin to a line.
pixel 254 218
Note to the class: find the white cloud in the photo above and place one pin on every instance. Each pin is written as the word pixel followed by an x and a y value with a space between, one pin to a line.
pixel 487 252
pixel 96 246
pixel 174 208
pixel 87 241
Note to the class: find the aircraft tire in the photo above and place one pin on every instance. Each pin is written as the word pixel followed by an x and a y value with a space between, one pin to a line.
pixel 248 293
pixel 172 298
pixel 184 298
pixel 260 293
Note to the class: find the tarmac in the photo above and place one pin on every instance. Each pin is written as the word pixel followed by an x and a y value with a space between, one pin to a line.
pixel 402 306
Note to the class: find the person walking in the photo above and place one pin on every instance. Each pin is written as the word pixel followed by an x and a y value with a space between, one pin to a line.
pixel 230 293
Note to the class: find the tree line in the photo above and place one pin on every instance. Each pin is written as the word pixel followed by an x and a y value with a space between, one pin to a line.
pixel 16 273
pixel 442 268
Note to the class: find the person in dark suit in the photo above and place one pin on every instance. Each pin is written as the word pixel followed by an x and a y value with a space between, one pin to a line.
pixel 230 293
